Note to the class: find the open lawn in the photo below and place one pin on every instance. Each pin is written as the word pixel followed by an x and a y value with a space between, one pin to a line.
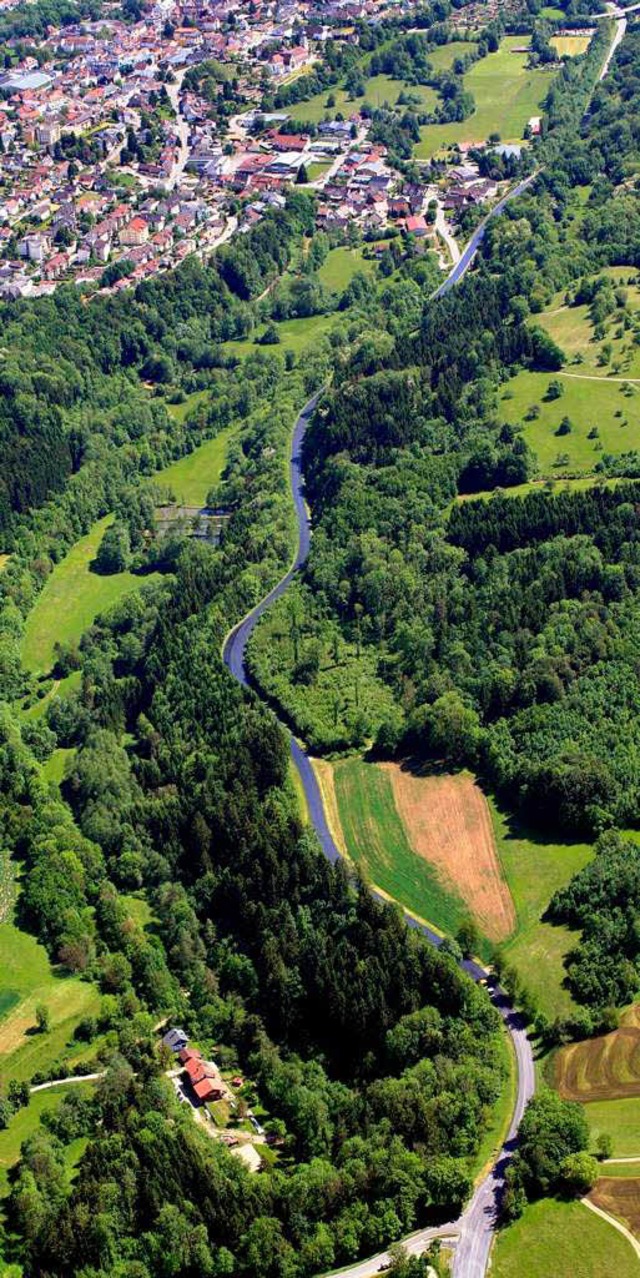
pixel 448 825
pixel 588 402
pixel 55 767
pixel 562 1240
pixel 340 266
pixel 28 979
pixel 534 869
pixel 376 840
pixel 621 1170
pixel 27 1120
pixel 71 600
pixel 547 485
pixel 619 1198
pixel 73 595
pixel 506 95
pixel 180 411
pixel 602 1068
pixel 441 849
pixel 192 476
pixel 621 1119
pixel 617 353
pixel 295 335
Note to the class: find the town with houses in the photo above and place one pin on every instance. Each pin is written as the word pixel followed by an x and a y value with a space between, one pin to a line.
pixel 114 167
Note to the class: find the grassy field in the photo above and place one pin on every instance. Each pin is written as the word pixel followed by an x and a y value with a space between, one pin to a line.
pixel 621 1119
pixel 55 767
pixel 378 89
pixel 506 94
pixel 26 1122
pixel 534 869
pixel 295 335
pixel 603 1068
pixel 27 979
pixel 317 169
pixel 340 266
pixel 373 831
pixel 74 595
pixel 614 354
pixel 72 598
pixel 547 485
pixel 588 403
pixel 561 1240
pixel 192 476
pixel 376 840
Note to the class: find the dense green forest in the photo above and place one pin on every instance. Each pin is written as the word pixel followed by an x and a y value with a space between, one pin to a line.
pixel 498 634
pixel 377 1059
pixel 506 629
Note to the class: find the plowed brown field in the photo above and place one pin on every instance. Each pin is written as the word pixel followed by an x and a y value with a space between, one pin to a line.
pixel 620 1198
pixel 448 823
pixel 603 1068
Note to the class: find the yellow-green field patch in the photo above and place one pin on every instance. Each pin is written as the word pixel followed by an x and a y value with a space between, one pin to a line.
pixel 620 1119
pixel 193 475
pixel 72 598
pixel 29 976
pixel 570 46
pixel 27 1120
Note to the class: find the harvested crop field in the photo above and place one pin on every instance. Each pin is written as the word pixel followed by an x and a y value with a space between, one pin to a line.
pixel 619 1198
pixel 603 1068
pixel 449 825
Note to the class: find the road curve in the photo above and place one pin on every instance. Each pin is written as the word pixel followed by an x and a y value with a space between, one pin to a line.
pixel 475 1228
pixel 466 258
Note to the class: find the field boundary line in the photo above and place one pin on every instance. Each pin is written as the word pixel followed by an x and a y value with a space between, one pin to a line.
pixel 593 377
pixel 340 842
pixel 630 1158
pixel 617 1224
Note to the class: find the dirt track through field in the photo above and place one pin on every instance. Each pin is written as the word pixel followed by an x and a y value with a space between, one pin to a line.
pixel 448 823
pixel 603 1068
pixel 619 1198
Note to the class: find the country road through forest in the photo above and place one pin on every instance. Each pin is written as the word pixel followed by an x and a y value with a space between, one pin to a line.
pixel 475 1228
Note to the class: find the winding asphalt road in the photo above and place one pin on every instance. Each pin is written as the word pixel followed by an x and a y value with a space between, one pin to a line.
pixel 475 1228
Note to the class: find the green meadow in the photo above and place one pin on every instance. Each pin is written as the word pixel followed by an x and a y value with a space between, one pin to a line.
pixel 28 978
pixel 534 870
pixel 71 600
pixel 74 595
pixel 27 1121
pixel 295 335
pixel 621 1120
pixel 591 403
pixel 506 95
pixel 340 266
pixel 556 1239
